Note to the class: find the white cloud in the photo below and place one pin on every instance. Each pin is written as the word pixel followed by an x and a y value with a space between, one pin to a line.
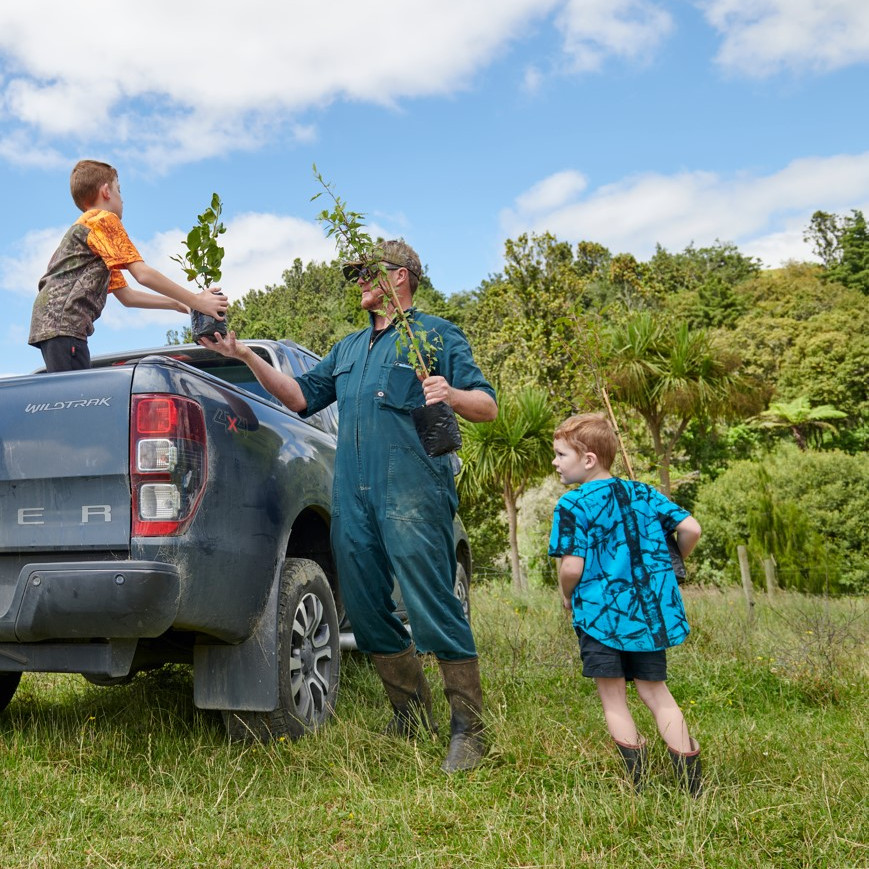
pixel 21 274
pixel 597 29
pixel 777 248
pixel 181 82
pixel 178 82
pixel 763 215
pixel 60 107
pixel 761 38
pixel 19 149
pixel 259 247
pixel 552 192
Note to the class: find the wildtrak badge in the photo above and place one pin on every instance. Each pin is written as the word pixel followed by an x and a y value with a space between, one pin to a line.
pixel 67 405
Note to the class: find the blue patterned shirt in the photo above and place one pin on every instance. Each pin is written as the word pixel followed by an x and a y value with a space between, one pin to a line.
pixel 628 597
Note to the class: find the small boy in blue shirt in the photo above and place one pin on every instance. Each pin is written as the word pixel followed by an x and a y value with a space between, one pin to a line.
pixel 617 577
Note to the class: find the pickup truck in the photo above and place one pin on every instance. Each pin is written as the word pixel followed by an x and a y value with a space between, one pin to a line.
pixel 160 508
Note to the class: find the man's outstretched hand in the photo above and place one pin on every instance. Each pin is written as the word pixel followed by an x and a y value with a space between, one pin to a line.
pixel 224 345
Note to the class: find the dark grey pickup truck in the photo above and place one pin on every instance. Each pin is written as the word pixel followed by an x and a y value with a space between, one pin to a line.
pixel 162 508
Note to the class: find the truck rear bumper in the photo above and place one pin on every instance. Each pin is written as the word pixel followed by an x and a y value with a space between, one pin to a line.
pixel 112 658
pixel 82 600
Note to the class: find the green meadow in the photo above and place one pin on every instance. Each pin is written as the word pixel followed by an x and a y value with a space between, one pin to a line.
pixel 136 776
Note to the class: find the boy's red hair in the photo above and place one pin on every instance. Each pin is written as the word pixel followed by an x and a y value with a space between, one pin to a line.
pixel 590 433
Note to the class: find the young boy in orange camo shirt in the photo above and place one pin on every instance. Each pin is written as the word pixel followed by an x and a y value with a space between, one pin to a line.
pixel 88 265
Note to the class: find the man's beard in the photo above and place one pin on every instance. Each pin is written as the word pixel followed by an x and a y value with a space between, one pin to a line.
pixel 373 300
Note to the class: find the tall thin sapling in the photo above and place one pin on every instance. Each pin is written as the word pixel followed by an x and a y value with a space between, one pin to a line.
pixel 436 424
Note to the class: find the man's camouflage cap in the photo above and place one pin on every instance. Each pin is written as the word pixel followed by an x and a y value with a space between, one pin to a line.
pixel 396 252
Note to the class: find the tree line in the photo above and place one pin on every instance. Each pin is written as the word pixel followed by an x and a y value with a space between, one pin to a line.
pixel 722 376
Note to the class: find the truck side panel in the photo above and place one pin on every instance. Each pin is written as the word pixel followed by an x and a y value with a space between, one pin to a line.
pixel 265 466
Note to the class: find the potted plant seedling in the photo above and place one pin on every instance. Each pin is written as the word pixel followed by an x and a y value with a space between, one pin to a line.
pixel 436 424
pixel 201 262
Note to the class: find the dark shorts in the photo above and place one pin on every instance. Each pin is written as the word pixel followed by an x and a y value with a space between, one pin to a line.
pixel 603 662
pixel 65 353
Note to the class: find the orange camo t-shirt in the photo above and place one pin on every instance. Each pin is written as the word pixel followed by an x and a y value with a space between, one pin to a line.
pixel 85 267
pixel 109 240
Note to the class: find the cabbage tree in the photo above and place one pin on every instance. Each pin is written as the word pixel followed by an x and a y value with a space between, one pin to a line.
pixel 508 455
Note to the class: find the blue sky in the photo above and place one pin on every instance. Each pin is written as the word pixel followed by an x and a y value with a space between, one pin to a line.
pixel 456 125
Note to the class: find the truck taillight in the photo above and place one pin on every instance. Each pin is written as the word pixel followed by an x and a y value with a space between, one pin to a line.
pixel 168 463
pixel 156 415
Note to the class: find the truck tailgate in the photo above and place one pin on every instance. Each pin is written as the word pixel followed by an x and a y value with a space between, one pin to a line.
pixel 64 461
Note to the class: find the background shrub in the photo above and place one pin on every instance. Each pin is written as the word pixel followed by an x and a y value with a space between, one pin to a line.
pixel 818 500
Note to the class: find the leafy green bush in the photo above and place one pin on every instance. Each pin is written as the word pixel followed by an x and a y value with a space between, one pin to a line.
pixel 807 509
pixel 535 509
pixel 486 524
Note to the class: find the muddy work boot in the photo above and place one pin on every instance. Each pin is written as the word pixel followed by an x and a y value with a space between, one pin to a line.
pixel 465 695
pixel 636 758
pixel 408 693
pixel 689 772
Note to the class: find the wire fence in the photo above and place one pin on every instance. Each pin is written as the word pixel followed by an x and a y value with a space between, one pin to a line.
pixel 824 576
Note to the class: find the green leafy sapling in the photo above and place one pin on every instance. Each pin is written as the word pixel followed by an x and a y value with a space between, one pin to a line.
pixel 435 424
pixel 203 256
pixel 354 244
pixel 201 262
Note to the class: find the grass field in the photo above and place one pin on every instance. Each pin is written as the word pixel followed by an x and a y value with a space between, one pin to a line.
pixel 135 776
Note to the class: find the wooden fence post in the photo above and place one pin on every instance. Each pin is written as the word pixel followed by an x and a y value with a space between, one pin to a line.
pixel 769 572
pixel 747 587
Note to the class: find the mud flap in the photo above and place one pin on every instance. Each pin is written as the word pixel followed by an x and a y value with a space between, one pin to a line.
pixel 242 676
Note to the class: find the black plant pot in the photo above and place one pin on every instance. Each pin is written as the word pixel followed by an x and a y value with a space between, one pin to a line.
pixel 437 427
pixel 204 326
pixel 676 558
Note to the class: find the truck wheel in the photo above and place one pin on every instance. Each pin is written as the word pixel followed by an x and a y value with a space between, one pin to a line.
pixel 8 684
pixel 308 659
pixel 462 590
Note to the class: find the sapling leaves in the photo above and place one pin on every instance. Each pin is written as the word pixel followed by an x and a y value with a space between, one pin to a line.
pixel 203 256
pixel 355 245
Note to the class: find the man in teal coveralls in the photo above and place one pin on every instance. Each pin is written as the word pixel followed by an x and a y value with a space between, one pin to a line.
pixel 393 505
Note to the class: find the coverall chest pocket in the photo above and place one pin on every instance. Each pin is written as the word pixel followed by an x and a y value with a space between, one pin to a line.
pixel 342 375
pixel 400 388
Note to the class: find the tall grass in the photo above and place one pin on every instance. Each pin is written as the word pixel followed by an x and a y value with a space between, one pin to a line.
pixel 135 776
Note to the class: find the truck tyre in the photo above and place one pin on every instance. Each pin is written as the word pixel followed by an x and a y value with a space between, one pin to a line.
pixel 308 657
pixel 8 685
pixel 462 590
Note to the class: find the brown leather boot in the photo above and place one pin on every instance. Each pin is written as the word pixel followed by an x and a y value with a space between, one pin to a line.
pixel 465 695
pixel 408 692
pixel 689 772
